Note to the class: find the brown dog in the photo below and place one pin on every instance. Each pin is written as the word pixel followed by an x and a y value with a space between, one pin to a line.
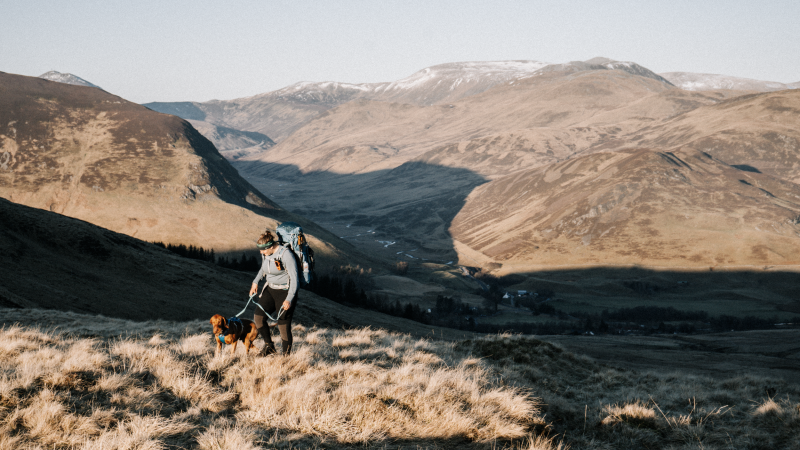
pixel 231 335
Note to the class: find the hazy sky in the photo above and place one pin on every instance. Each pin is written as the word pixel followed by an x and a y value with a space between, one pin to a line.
pixel 199 50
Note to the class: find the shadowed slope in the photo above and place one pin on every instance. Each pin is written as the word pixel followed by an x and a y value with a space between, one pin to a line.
pixel 631 207
pixel 54 262
pixel 414 202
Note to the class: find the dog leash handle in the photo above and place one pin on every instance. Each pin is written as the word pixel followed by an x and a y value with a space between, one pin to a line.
pixel 274 319
pixel 248 304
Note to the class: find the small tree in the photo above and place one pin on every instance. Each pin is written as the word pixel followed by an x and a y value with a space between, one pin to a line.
pixel 400 267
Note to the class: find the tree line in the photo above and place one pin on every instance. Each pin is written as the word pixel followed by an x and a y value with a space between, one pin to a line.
pixel 244 263
pixel 345 286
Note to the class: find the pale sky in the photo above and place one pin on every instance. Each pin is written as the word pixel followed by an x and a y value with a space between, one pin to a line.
pixel 199 50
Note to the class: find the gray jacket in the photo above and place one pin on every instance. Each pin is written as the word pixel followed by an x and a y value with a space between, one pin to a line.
pixel 284 278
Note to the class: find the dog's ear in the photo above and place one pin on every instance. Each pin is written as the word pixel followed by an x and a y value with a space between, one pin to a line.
pixel 225 322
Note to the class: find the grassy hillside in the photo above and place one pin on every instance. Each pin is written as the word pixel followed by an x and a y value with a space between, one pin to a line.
pixel 109 383
pixel 91 155
pixel 54 262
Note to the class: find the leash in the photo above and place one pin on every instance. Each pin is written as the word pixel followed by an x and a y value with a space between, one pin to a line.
pixel 274 319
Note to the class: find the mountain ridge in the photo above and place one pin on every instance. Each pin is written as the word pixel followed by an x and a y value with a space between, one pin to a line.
pixel 296 104
pixel 635 206
pixel 525 125
pixel 691 81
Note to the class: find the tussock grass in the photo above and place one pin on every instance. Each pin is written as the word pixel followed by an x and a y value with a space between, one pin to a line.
pixel 162 387
pixel 166 390
pixel 590 406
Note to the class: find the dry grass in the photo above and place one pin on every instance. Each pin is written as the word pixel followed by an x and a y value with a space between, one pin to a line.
pixel 163 387
pixel 590 406
pixel 167 390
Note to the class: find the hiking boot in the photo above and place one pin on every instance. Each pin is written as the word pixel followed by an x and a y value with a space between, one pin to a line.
pixel 286 347
pixel 268 349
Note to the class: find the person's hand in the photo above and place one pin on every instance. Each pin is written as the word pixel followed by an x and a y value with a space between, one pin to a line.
pixel 286 305
pixel 253 289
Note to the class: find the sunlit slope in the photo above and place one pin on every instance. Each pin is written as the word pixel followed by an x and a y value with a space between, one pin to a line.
pixel 631 207
pixel 524 123
pixel 390 165
pixel 279 113
pixel 760 130
pixel 84 153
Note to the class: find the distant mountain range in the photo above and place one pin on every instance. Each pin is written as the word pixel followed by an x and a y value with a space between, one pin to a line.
pixel 416 172
pixel 278 114
pixel 66 78
pixel 443 158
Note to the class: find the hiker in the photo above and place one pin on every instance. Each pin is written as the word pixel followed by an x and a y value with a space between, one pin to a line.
pixel 280 291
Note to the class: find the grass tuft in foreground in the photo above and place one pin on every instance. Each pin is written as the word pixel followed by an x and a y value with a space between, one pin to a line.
pixel 160 386
pixel 339 388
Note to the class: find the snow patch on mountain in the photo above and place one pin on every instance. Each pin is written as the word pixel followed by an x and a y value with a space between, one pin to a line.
pixel 600 63
pixel 66 78
pixel 707 81
pixel 494 72
pixel 429 85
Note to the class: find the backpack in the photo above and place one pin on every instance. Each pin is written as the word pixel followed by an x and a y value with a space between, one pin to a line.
pixel 291 236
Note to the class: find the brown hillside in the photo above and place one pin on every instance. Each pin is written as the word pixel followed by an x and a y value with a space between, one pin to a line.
pixel 760 130
pixel 279 113
pixel 542 118
pixel 406 169
pixel 681 209
pixel 85 153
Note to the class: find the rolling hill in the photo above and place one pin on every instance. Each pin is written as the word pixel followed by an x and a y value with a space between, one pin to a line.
pixel 512 130
pixel 759 131
pixel 679 209
pixel 85 153
pixel 353 151
pixel 53 262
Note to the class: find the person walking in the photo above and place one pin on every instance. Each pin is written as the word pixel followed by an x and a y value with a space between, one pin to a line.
pixel 279 269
